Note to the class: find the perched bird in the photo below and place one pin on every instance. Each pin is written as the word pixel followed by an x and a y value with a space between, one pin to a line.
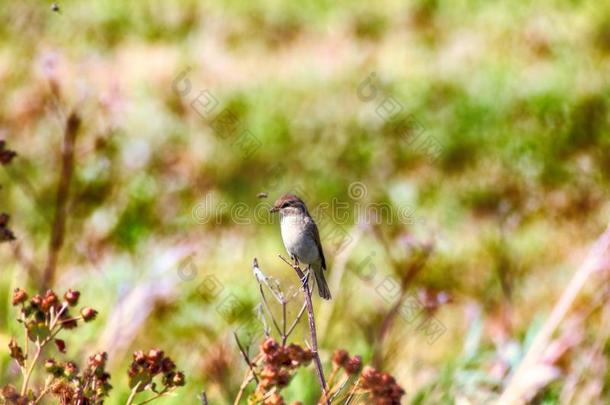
pixel 301 238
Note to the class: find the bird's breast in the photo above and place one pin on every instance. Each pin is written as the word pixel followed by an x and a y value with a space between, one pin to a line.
pixel 297 240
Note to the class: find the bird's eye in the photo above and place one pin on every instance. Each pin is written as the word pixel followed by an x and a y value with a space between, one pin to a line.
pixel 285 205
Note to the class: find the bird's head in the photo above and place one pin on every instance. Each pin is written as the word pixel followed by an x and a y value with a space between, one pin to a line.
pixel 289 204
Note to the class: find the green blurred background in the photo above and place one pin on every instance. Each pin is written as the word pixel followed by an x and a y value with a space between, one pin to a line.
pixel 510 98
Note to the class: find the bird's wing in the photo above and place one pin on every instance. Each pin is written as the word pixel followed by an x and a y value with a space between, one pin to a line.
pixel 312 229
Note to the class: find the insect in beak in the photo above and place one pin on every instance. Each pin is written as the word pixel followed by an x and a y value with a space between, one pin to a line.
pixel 274 209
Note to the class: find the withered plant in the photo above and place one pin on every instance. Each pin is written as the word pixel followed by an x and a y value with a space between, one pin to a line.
pixel 43 318
pixel 278 361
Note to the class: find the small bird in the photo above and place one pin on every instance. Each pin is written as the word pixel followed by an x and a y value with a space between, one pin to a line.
pixel 301 238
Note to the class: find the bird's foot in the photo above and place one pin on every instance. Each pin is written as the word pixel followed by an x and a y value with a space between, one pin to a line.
pixel 305 278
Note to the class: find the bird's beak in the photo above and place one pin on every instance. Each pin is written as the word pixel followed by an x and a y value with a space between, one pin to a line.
pixel 274 209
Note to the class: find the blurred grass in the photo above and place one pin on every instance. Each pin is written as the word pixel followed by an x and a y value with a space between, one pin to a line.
pixel 517 95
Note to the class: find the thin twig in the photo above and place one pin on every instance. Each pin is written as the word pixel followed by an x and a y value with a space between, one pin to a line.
pixel 296 321
pixel 133 393
pixel 159 395
pixel 340 389
pixel 261 278
pixel 245 356
pixel 27 346
pixel 312 327
pixel 28 374
pixel 242 387
pixel 284 337
pixel 47 387
pixel 268 308
pixel 352 393
pixel 63 188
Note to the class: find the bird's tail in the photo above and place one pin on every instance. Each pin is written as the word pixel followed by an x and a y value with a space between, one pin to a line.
pixel 321 282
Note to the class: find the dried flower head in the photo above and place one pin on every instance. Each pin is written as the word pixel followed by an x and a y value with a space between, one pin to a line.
pixel 36 301
pixel 381 386
pixel 70 385
pixel 340 357
pixel 40 313
pixel 71 296
pixel 49 300
pixel 88 314
pixel 269 346
pixel 71 370
pixel 298 356
pixel 274 376
pixel 43 317
pixel 19 296
pixel 354 365
pixel 16 352
pixel 146 366
pixel 279 363
pixel 54 368
pixel 351 365
pixel 10 395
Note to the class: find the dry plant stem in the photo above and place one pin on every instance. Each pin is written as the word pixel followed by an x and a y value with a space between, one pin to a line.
pixel 242 388
pixel 63 188
pixel 27 344
pixel 578 377
pixel 284 337
pixel 340 388
pixel 28 374
pixel 133 393
pixel 47 387
pixel 598 259
pixel 266 305
pixel 53 321
pixel 282 331
pixel 332 390
pixel 245 356
pixel 312 328
pixel 296 321
pixel 247 379
pixel 333 374
pixel 352 393
pixel 159 395
pixel 262 279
